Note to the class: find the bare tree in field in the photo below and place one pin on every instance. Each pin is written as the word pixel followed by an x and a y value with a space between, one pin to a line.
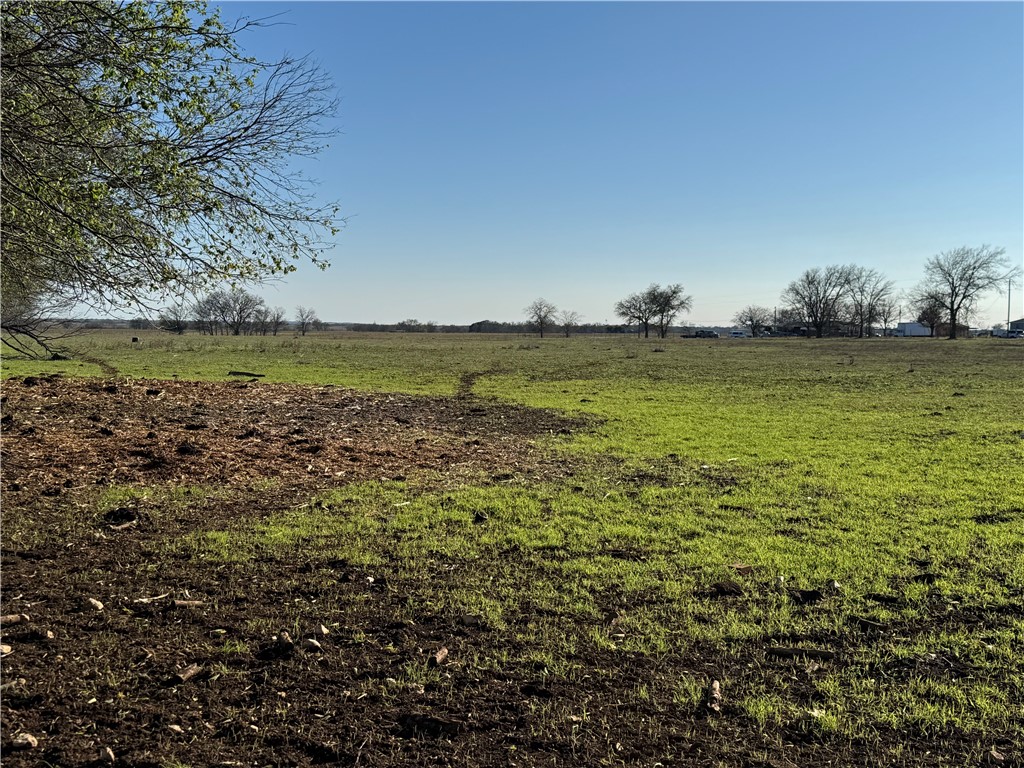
pixel 275 320
pixel 174 319
pixel 754 317
pixel 666 303
pixel 867 289
pixel 957 278
pixel 655 306
pixel 635 310
pixel 888 310
pixel 569 319
pixel 305 319
pixel 541 313
pixel 817 296
pixel 240 310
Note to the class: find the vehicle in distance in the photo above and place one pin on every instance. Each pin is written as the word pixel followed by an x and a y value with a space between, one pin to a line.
pixel 706 335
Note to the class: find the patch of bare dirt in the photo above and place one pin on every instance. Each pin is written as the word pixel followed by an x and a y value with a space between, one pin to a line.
pixel 62 434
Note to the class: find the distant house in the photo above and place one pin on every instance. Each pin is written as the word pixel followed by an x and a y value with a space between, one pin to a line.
pixel 1017 325
pixel 911 329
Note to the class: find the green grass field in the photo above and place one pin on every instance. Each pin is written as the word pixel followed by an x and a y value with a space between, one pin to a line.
pixel 892 467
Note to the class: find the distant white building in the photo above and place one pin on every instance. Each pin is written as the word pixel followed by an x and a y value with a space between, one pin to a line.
pixel 911 329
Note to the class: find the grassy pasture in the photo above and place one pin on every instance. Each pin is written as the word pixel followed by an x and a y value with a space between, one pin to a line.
pixel 894 467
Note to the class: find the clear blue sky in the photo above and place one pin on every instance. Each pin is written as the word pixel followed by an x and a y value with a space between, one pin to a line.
pixel 494 153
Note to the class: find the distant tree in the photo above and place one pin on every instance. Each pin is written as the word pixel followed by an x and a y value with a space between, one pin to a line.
pixel 410 326
pixel 305 318
pixel 957 278
pixel 541 314
pixel 665 304
pixel 866 290
pixel 817 296
pixel 174 319
pixel 753 317
pixel 930 311
pixel 239 310
pixel 888 310
pixel 276 319
pixel 637 311
pixel 569 319
pixel 206 313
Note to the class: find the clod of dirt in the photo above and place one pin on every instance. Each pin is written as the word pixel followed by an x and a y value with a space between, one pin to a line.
pixel 805 596
pixel 121 516
pixel 878 597
pixel 281 645
pixel 726 588
pixel 188 449
pixel 439 657
pixel 95 604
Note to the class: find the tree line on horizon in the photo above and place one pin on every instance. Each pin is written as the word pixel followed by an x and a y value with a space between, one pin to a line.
pixel 847 300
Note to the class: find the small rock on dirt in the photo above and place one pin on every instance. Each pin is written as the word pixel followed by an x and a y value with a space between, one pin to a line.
pixel 95 604
pixel 439 657
pixel 25 741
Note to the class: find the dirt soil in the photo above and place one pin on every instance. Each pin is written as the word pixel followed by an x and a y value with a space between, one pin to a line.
pixel 145 679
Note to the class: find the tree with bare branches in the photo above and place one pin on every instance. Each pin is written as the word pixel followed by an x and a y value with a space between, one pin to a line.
pixel 817 296
pixel 305 319
pixel 569 319
pixel 754 317
pixel 956 279
pixel 867 289
pixel 666 303
pixel 541 315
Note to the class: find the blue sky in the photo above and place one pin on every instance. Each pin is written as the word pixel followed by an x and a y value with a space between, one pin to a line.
pixel 494 153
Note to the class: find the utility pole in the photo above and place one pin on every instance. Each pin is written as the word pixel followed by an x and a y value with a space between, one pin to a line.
pixel 1009 286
